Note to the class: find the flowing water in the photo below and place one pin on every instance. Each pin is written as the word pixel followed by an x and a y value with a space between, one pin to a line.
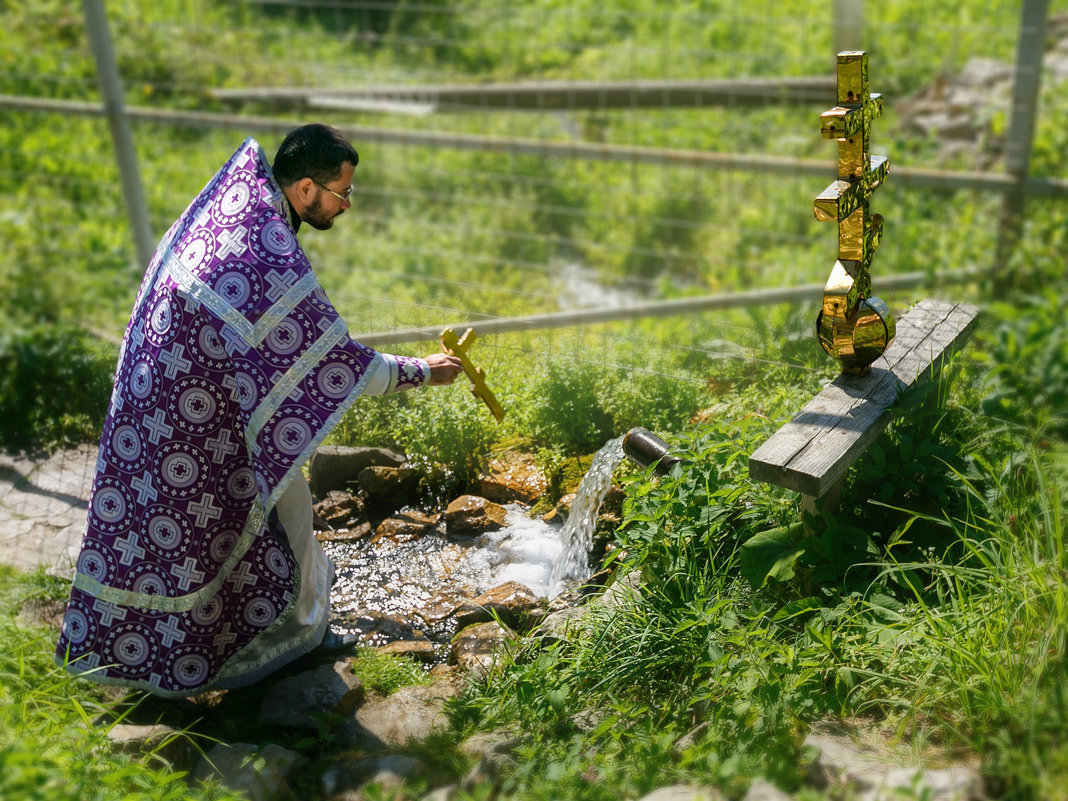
pixel 387 589
pixel 577 535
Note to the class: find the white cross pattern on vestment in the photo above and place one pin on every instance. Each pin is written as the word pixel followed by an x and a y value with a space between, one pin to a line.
pixel 205 510
pixel 146 493
pixel 187 573
pixel 169 631
pixel 129 548
pixel 174 361
pixel 231 241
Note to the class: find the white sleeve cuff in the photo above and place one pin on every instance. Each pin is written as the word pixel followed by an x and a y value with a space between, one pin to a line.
pixel 395 373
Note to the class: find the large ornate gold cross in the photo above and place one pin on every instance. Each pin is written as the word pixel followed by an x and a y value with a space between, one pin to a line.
pixel 457 346
pixel 853 326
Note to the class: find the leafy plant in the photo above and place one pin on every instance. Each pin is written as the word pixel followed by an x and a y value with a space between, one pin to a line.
pixel 54 386
pixel 1029 378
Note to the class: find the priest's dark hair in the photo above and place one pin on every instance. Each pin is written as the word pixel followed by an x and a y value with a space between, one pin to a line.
pixel 313 151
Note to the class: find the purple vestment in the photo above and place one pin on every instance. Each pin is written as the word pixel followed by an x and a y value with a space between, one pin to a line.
pixel 234 367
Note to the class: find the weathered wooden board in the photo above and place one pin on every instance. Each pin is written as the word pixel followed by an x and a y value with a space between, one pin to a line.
pixel 813 451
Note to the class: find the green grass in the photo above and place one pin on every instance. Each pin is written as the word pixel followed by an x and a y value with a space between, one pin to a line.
pixel 53 728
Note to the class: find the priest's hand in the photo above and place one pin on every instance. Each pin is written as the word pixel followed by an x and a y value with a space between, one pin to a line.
pixel 443 368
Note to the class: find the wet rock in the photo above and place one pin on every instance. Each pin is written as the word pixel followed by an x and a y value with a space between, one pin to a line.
pixel 337 467
pixel 157 739
pixel 871 771
pixel 476 648
pixel 260 775
pixel 442 604
pixel 341 510
pixel 514 476
pixel 301 701
pixel 345 778
pixel 410 714
pixel 471 515
pixel 514 604
pixel 377 628
pixel 405 526
pixel 421 650
pixel 388 487
pixel 361 531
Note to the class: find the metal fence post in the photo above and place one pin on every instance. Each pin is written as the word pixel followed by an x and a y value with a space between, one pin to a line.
pixel 1030 48
pixel 111 91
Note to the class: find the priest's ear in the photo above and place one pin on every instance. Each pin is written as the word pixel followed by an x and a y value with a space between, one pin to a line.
pixel 305 188
pixel 300 192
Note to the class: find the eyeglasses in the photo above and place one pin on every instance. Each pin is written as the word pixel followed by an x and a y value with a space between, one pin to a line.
pixel 339 195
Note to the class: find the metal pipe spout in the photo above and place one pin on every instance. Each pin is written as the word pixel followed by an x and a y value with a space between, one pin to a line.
pixel 644 448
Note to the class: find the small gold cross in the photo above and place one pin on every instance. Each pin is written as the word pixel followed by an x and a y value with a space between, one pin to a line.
pixel 458 347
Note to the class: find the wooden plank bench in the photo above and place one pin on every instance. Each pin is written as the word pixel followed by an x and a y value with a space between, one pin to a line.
pixel 812 452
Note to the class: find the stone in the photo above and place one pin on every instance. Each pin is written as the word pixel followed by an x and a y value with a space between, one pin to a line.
pixel 341 510
pixel 559 626
pixel 337 467
pixel 42 509
pixel 421 650
pixel 442 604
pixel 301 701
pixel 761 790
pixel 446 793
pixel 475 648
pixel 157 739
pixel 492 754
pixel 405 526
pixel 471 515
pixel 622 593
pixel 359 532
pixel 514 476
pixel 345 778
pixel 388 487
pixel 260 775
pixel 684 792
pixel 376 628
pixel 513 603
pixel 870 771
pixel 490 744
pixel 692 737
pixel 984 72
pixel 41 613
pixel 410 714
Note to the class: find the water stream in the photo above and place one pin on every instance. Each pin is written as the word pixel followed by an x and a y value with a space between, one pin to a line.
pixel 388 589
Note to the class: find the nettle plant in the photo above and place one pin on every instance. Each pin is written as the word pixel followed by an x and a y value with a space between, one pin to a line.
pixel 683 528
pixel 680 530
